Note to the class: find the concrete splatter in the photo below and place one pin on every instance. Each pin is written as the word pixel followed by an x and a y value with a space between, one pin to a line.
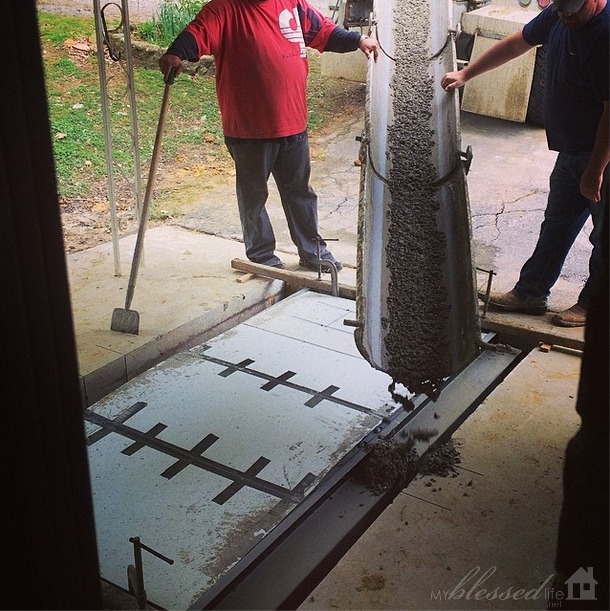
pixel 442 460
pixel 389 465
pixel 392 465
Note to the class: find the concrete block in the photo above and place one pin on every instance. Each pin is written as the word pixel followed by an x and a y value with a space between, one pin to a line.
pixel 350 66
pixel 496 19
pixel 502 93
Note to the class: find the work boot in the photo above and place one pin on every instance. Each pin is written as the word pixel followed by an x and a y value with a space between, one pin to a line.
pixel 273 262
pixel 315 266
pixel 511 302
pixel 576 316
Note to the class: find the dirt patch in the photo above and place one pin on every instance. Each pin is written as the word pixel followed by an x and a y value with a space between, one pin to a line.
pixel 139 10
pixel 371 582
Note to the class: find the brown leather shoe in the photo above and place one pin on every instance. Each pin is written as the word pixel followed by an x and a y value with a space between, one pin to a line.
pixel 576 316
pixel 511 302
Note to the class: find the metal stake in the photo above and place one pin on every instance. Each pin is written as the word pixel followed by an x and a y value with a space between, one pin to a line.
pixel 135 574
pixel 490 274
pixel 99 31
pixel 101 38
pixel 334 275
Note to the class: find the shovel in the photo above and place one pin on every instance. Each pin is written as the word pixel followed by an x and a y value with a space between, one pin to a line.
pixel 124 319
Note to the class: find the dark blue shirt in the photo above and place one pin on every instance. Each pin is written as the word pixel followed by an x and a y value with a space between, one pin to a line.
pixel 576 78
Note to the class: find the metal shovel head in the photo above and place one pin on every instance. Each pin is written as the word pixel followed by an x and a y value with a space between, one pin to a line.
pixel 125 321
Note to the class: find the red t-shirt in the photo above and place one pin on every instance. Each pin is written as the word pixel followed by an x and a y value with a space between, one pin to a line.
pixel 261 62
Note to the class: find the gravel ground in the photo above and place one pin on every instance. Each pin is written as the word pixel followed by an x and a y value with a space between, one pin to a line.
pixel 139 10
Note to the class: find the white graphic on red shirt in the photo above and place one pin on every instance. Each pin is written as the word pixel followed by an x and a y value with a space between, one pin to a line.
pixel 290 26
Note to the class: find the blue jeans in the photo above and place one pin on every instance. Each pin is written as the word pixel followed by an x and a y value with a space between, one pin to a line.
pixel 288 160
pixel 566 213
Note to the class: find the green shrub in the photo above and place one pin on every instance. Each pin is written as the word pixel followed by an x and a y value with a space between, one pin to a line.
pixel 171 19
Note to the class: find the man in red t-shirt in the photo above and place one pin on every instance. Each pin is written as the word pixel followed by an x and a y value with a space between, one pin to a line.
pixel 259 47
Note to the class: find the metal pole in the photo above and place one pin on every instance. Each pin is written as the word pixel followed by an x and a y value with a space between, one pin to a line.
pixel 99 35
pixel 139 585
pixel 135 572
pixel 135 138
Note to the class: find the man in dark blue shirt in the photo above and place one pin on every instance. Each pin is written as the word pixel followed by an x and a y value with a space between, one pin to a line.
pixel 575 33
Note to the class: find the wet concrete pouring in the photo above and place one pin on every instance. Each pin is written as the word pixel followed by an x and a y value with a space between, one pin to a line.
pixel 417 299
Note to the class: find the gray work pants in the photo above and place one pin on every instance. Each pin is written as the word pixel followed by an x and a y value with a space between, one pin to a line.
pixel 288 160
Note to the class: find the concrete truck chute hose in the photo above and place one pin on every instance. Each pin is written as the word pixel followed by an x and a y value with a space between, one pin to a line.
pixel 416 300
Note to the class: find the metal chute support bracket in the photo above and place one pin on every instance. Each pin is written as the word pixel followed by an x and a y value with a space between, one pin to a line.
pixel 416 300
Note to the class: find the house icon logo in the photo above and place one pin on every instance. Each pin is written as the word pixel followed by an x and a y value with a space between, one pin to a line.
pixel 581 586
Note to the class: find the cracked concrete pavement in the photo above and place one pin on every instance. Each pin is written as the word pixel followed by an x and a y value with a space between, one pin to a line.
pixel 507 183
pixel 508 188
pixel 335 178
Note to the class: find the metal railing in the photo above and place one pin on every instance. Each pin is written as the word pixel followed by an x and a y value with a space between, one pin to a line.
pixel 103 43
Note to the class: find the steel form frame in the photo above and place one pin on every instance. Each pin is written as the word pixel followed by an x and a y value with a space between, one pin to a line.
pixel 283 569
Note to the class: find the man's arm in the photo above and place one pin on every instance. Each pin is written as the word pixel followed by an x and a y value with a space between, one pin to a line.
pixel 199 37
pixel 591 179
pixel 167 62
pixel 502 52
pixel 184 47
pixel 370 47
pixel 343 41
